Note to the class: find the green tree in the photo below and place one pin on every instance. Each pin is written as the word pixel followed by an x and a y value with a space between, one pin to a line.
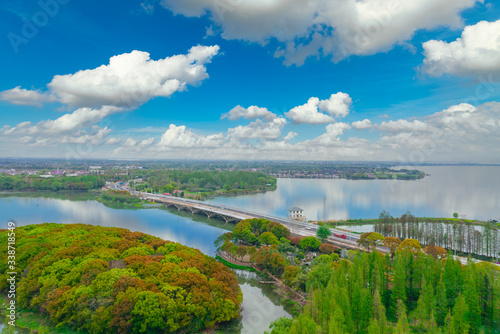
pixel 267 238
pixel 402 326
pixel 310 243
pixel 323 233
pixel 398 291
pixel 460 321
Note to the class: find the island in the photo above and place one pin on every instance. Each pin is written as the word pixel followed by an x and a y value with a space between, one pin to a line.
pixel 110 280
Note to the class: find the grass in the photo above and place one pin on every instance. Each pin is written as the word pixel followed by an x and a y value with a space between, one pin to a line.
pixel 234 266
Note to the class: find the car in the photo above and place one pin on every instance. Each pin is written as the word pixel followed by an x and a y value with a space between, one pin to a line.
pixel 308 228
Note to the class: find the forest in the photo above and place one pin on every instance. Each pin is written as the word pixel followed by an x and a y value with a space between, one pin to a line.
pixel 411 289
pixel 455 234
pixel 22 182
pixel 413 292
pixel 111 280
pixel 203 182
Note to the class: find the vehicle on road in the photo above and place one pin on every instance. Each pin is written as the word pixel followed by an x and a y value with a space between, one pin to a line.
pixel 343 236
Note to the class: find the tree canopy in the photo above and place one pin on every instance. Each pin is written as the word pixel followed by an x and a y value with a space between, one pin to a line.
pixel 111 280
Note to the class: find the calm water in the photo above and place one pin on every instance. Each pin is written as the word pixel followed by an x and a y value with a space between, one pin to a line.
pixel 473 192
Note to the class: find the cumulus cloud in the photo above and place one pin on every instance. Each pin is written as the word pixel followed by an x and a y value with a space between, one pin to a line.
pixel 252 112
pixel 336 106
pixel 23 96
pixel 258 130
pixel 403 125
pixel 80 118
pixel 181 137
pixel 460 133
pixel 476 52
pixel 129 80
pixel 336 28
pixel 331 136
pixel 361 125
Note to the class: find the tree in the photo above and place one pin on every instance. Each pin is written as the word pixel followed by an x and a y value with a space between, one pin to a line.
pixel 323 233
pixel 402 327
pixel 370 240
pixel 327 248
pixel 267 238
pixel 455 214
pixel 436 251
pixel 310 243
pixel 392 243
pixel 412 245
pixel 398 291
pixel 460 316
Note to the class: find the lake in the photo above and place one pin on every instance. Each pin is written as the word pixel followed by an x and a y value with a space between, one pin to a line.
pixel 471 191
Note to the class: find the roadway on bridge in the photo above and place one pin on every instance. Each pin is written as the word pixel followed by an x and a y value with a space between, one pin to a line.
pixel 296 227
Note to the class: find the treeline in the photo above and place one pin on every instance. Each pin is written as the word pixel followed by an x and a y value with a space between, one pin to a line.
pixel 413 293
pixel 119 199
pixel 56 183
pixel 457 235
pixel 202 181
pixel 110 280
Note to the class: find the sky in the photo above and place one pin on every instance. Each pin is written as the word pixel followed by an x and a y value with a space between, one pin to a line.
pixel 340 80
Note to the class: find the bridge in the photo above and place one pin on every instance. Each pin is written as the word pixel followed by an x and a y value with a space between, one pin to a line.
pixel 235 215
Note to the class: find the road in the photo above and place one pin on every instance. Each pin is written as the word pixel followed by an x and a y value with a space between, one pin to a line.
pixel 296 227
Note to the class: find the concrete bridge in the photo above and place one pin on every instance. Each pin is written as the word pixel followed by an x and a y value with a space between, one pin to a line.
pixel 235 215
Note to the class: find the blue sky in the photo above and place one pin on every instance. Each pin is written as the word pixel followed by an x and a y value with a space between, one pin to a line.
pixel 325 80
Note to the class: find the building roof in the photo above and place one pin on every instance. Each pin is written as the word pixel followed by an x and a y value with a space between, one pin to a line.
pixel 295 208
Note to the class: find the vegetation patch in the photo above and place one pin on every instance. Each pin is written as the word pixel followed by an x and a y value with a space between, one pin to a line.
pixel 72 275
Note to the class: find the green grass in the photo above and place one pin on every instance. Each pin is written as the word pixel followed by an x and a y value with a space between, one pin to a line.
pixel 234 266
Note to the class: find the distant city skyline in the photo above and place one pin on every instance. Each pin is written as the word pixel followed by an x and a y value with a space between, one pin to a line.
pixel 378 80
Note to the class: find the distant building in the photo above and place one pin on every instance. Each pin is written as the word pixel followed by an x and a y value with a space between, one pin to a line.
pixel 296 213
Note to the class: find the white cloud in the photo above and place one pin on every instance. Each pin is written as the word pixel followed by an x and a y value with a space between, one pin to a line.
pixel 129 80
pixel 476 52
pixel 78 119
pixel 361 125
pixel 258 130
pixel 23 96
pixel 337 28
pixel 252 112
pixel 290 135
pixel 113 141
pixel 336 106
pixel 403 125
pixel 331 136
pixel 180 137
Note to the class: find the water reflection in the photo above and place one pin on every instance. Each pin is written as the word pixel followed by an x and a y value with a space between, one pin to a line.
pixel 260 307
pixel 472 191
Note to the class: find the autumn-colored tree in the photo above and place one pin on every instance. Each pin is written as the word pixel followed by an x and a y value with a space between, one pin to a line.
pixel 370 240
pixel 411 245
pixel 327 248
pixel 392 243
pixel 436 251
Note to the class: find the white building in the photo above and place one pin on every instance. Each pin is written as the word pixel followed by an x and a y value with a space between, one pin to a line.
pixel 296 213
